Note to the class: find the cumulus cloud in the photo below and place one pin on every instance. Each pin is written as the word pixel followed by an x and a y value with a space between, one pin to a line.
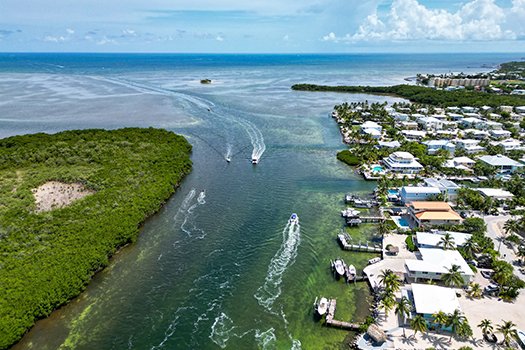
pixel 129 33
pixel 204 35
pixel 219 38
pixel 286 37
pixel 70 31
pixel 50 38
pixel 478 20
pixel 106 40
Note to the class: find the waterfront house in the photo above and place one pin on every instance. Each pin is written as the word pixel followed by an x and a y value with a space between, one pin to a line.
pixel 390 144
pixel 431 239
pixel 402 162
pixel 432 213
pixel 470 146
pixel 467 109
pixel 434 145
pixel 508 145
pixel 417 193
pixel 446 187
pixel 500 134
pixel 434 263
pixel 502 163
pixel 371 128
pixel 460 163
pixel 497 194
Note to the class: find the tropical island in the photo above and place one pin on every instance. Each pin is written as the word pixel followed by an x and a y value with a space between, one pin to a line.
pixel 205 81
pixel 67 202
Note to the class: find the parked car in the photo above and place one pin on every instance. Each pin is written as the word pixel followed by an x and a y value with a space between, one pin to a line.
pixel 487 274
pixel 491 288
pixel 463 215
pixel 473 263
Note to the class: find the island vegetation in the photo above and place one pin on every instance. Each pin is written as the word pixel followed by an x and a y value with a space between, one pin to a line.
pixel 48 257
pixel 205 81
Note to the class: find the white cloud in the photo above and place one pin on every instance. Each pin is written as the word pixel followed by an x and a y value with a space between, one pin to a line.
pixel 129 32
pixel 70 31
pixel 286 37
pixel 219 38
pixel 478 20
pixel 105 40
pixel 50 38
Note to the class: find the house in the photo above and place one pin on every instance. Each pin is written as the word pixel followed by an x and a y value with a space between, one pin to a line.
pixel 432 213
pixel 417 193
pixel 460 163
pixel 508 145
pixel 475 134
pixel 487 109
pixel 491 125
pixel 413 134
pixel 444 134
pixel 500 134
pixel 431 239
pixel 434 145
pixel 502 163
pixel 399 116
pixel 446 187
pixel 402 162
pixel 467 109
pixel 455 117
pixel 430 123
pixel 429 300
pixel 470 146
pixel 472 123
pixel 497 194
pixel 439 116
pixel 516 117
pixel 390 144
pixel 409 125
pixel 520 109
pixel 437 262
pixel 371 128
pixel 506 108
pixel 518 92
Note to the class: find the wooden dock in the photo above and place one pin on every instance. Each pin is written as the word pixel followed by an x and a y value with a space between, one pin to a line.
pixel 343 239
pixel 335 323
pixel 372 218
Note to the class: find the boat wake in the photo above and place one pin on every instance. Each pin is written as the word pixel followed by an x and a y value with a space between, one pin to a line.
pixel 221 330
pixel 186 210
pixel 282 260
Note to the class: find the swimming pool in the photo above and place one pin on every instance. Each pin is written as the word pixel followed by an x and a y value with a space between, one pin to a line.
pixel 377 168
pixel 401 222
pixel 393 191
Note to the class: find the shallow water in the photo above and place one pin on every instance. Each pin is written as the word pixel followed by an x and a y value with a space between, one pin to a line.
pixel 221 268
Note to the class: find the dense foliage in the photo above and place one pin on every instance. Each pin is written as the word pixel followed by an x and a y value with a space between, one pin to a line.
pixel 46 259
pixel 419 94
pixel 347 157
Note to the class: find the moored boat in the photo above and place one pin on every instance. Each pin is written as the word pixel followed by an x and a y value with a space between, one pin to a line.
pixel 351 270
pixel 374 260
pixel 294 218
pixel 339 267
pixel 322 307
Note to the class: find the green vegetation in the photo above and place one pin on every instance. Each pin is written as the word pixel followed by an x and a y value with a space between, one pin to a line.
pixel 419 94
pixel 205 81
pixel 410 244
pixel 347 157
pixel 47 259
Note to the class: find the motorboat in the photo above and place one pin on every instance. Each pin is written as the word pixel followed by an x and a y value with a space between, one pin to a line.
pixel 209 109
pixel 359 203
pixel 374 260
pixel 521 336
pixel 294 219
pixel 228 159
pixel 322 307
pixel 255 160
pixel 339 267
pixel 351 270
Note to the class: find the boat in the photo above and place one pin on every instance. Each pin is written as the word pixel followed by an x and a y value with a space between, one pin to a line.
pixel 359 203
pixel 209 109
pixel 322 307
pixel 339 267
pixel 351 270
pixel 255 160
pixel 521 337
pixel 374 260
pixel 294 218
pixel 228 159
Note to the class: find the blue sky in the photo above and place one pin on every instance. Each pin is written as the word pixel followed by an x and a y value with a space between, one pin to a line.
pixel 262 26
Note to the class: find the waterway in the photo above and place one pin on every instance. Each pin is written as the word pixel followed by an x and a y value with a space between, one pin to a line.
pixel 219 268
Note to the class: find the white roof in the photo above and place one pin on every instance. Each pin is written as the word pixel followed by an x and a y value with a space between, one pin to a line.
pixel 432 239
pixel 370 124
pixel 463 160
pixel 439 261
pixel 413 132
pixel 499 160
pixel 429 299
pixel 392 144
pixel 471 120
pixel 495 193
pixel 421 189
pixel 501 132
pixel 404 155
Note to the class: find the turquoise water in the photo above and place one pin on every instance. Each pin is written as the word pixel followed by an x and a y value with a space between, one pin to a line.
pixel 402 222
pixel 393 191
pixel 378 168
pixel 224 269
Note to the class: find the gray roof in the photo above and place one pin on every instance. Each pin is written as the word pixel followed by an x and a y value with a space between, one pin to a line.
pixel 499 160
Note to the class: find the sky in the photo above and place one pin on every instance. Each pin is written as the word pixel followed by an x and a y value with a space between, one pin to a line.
pixel 262 26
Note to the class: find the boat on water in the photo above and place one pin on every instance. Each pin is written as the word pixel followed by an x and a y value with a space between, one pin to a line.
pixel 294 218
pixel 255 160
pixel 228 159
pixel 359 203
pixel 374 260
pixel 351 270
pixel 339 267
pixel 322 307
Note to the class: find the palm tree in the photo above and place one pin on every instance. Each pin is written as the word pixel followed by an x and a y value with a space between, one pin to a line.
pixel 447 241
pixel 453 276
pixel 418 324
pixel 383 228
pixel 475 290
pixel 470 247
pixel 388 300
pixel 403 308
pixel 440 318
pixel 486 326
pixel 455 321
pixel 510 226
pixel 389 280
pixel 507 329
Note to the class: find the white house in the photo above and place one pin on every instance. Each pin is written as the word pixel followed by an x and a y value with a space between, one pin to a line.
pixel 508 145
pixel 371 128
pixel 472 123
pixel 434 145
pixel 506 108
pixel 500 134
pixel 409 125
pixel 402 162
pixel 460 163
pixel 430 300
pixel 413 134
pixel 502 163
pixel 495 193
pixel 431 239
pixel 491 125
pixel 390 144
pixel 470 146
pixel 430 123
pixel 417 193
pixel 455 117
pixel 468 109
pixel 445 186
pixel 520 109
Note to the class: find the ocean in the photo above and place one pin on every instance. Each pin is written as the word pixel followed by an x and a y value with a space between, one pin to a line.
pixel 219 268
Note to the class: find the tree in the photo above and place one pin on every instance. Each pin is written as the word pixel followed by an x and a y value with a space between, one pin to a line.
pixel 389 280
pixel 475 225
pixel 403 308
pixel 447 241
pixel 507 329
pixel 470 247
pixel 418 324
pixel 388 300
pixel 440 318
pixel 486 326
pixel 383 228
pixel 475 290
pixel 455 321
pixel 453 276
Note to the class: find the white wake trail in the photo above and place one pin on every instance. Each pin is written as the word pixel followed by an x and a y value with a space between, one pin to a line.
pixel 282 260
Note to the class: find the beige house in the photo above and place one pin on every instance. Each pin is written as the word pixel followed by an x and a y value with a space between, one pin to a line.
pixel 432 213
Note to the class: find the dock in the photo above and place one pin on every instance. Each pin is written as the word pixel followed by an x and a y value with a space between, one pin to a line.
pixel 344 240
pixel 372 218
pixel 335 323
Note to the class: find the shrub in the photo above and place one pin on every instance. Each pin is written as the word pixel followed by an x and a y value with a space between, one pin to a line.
pixel 347 157
pixel 410 244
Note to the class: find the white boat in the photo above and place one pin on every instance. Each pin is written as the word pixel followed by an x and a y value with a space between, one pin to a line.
pixel 521 337
pixel 294 218
pixel 322 307
pixel 339 267
pixel 255 160
pixel 359 203
pixel 228 159
pixel 351 270
pixel 374 260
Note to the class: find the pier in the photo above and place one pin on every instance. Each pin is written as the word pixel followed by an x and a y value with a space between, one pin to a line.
pixel 372 218
pixel 344 239
pixel 335 323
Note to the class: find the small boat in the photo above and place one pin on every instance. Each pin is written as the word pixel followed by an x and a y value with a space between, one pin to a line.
pixel 351 270
pixel 209 109
pixel 255 160
pixel 339 267
pixel 521 336
pixel 374 260
pixel 359 203
pixel 322 307
pixel 228 159
pixel 294 219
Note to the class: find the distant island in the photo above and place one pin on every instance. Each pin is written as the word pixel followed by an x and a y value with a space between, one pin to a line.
pixel 205 81
pixel 67 202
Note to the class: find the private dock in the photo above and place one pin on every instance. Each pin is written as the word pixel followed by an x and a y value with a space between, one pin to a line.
pixel 335 323
pixel 372 218
pixel 344 239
